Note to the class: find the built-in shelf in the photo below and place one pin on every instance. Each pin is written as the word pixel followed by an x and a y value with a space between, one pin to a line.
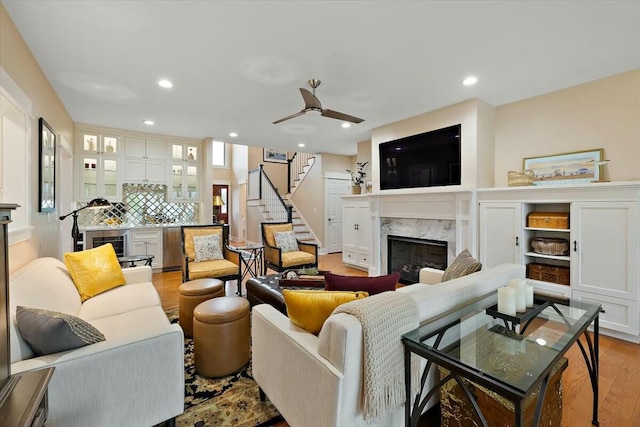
pixel 558 257
pixel 560 230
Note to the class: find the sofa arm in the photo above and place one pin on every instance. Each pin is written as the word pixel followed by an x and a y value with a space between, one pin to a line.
pixel 139 274
pixel 116 382
pixel 285 363
pixel 430 276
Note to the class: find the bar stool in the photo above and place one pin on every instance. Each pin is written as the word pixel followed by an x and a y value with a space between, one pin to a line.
pixel 193 293
pixel 221 336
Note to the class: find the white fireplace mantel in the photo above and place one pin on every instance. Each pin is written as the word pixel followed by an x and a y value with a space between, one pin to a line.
pixel 419 213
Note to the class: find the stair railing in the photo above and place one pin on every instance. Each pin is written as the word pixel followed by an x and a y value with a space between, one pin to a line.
pixel 296 165
pixel 262 188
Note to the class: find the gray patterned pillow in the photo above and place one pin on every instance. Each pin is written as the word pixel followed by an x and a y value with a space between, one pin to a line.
pixel 286 241
pixel 464 264
pixel 49 332
pixel 207 248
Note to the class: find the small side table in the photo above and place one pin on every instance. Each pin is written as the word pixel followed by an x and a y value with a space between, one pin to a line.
pixel 132 259
pixel 26 403
pixel 252 256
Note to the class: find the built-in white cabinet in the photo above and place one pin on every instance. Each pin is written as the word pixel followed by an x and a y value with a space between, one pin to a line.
pixel 144 161
pixel 356 236
pixel 184 181
pixel 500 233
pixel 99 166
pixel 603 245
pixel 147 241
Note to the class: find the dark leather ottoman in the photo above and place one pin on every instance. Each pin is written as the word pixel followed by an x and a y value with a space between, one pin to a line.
pixel 267 290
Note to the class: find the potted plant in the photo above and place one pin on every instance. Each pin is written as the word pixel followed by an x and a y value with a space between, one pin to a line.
pixel 357 177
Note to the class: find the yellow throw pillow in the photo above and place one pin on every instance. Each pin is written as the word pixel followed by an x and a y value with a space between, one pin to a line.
pixel 95 270
pixel 309 309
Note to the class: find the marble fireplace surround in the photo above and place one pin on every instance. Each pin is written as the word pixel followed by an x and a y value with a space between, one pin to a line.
pixel 439 214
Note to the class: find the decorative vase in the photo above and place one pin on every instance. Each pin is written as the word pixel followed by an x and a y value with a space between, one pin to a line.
pixel 356 189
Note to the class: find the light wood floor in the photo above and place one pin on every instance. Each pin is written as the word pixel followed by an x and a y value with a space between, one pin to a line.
pixel 619 364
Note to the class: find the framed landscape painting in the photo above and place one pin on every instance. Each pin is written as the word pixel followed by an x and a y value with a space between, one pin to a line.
pixel 567 168
pixel 274 156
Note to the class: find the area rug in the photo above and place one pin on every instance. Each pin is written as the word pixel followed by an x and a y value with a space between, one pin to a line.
pixel 231 401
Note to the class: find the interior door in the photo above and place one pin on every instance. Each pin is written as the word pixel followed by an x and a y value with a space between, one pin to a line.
pixel 334 189
pixel 222 212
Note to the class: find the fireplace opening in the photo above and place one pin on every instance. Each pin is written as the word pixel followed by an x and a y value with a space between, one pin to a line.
pixel 407 255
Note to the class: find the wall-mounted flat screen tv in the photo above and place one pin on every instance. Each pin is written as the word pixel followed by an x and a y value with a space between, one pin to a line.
pixel 425 160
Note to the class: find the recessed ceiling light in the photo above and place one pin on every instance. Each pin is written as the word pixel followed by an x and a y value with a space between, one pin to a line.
pixel 470 81
pixel 165 84
pixel 346 125
pixel 149 122
pixel 301 145
pixel 233 134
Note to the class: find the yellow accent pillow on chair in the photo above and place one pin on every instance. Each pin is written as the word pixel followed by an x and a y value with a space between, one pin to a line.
pixel 94 271
pixel 309 309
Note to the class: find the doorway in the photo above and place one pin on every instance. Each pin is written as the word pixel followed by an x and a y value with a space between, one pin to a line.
pixel 334 189
pixel 220 205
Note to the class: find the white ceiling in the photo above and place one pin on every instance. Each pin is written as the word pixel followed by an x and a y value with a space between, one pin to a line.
pixel 237 65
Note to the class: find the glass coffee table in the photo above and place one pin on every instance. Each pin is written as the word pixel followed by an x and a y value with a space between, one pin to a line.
pixel 509 356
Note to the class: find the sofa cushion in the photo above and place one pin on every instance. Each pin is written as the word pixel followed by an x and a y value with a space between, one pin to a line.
pixel 222 267
pixel 49 332
pixel 297 258
pixel 286 241
pixel 207 248
pixel 464 264
pixel 371 285
pixel 95 270
pixel 130 325
pixel 270 229
pixel 309 309
pixel 120 300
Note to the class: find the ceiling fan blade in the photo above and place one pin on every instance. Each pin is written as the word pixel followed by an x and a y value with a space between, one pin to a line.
pixel 341 116
pixel 299 113
pixel 310 100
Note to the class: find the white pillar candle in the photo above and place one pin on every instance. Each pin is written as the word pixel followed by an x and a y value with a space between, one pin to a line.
pixel 507 301
pixel 521 298
pixel 529 294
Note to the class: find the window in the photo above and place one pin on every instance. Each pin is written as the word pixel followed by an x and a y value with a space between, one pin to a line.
pixel 218 154
pixel 15 169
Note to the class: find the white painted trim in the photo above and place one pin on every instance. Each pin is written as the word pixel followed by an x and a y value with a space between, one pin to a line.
pixel 13 91
pixel 337 175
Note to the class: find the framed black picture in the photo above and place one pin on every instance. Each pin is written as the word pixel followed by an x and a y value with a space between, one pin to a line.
pixel 47 170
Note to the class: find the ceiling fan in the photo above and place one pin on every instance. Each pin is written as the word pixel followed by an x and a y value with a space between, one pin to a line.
pixel 312 103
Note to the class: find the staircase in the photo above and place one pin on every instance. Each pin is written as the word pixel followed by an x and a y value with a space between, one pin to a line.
pixel 275 208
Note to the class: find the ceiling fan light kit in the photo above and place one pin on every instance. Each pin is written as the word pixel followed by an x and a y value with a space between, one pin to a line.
pixel 312 103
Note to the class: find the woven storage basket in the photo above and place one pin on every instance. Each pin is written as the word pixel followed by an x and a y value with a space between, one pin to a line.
pixel 520 178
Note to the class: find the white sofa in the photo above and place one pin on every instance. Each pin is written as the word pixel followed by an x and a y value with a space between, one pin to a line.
pixel 133 378
pixel 317 381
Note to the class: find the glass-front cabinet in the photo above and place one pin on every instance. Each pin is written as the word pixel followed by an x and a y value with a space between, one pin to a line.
pixel 100 166
pixel 185 162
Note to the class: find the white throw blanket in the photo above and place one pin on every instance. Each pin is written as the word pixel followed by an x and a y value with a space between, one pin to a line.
pixel 384 318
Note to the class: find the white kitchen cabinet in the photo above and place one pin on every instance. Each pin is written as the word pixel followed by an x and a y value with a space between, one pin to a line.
pixel 356 234
pixel 144 161
pixel 99 166
pixel 147 241
pixel 184 179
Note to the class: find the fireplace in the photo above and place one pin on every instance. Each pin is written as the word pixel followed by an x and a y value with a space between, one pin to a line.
pixel 407 255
